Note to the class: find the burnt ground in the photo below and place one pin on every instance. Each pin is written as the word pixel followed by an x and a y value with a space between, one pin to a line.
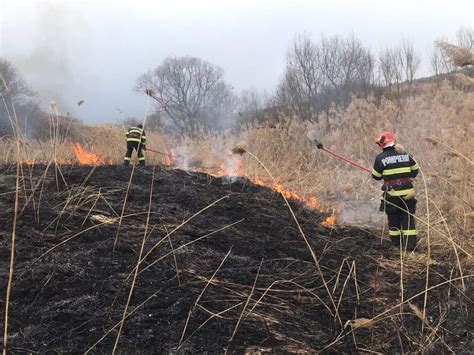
pixel 266 296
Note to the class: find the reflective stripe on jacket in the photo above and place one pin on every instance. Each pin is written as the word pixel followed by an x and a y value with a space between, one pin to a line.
pixel 135 134
pixel 392 165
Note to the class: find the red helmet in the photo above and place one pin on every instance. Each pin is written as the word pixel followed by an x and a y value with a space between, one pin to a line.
pixel 385 139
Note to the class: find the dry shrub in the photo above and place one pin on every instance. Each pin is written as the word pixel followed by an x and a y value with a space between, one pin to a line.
pixel 460 56
pixel 239 148
pixel 434 126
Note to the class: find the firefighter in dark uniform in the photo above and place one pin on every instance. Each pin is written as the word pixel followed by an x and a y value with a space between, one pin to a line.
pixel 397 168
pixel 136 139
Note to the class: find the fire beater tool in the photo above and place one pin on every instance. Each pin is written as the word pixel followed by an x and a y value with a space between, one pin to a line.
pixel 158 152
pixel 176 158
pixel 320 146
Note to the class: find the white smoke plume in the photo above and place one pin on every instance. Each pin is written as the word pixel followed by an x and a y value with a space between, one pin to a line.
pixel 232 168
pixel 46 58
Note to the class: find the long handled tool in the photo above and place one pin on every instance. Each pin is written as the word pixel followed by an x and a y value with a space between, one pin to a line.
pixel 319 145
pixel 158 152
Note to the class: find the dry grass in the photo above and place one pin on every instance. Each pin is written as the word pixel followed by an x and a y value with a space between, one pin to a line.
pixel 434 125
pixel 460 56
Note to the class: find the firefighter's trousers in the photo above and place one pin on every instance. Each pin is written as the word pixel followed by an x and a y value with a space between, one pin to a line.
pixel 401 221
pixel 134 146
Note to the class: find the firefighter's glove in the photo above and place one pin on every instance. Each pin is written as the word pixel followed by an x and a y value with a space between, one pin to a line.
pixel 144 147
pixel 319 145
pixel 382 206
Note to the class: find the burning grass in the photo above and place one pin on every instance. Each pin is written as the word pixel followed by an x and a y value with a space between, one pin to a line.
pixel 87 158
pixel 308 175
pixel 74 210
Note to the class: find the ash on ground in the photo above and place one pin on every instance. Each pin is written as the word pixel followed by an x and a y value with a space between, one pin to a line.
pixel 236 276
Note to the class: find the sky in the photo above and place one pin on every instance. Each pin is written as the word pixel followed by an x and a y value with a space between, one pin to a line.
pixel 94 50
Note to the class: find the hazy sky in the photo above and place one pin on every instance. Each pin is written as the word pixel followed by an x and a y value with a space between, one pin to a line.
pixel 94 50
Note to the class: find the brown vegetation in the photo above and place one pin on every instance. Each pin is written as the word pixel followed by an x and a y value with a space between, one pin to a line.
pixel 434 123
pixel 434 126
pixel 460 56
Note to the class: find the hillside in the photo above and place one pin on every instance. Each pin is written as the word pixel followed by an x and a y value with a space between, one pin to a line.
pixel 225 268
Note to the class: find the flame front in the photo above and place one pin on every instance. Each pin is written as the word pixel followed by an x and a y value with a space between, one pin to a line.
pixel 233 168
pixel 87 158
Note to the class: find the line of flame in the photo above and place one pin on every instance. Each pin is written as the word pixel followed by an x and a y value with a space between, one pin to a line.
pixel 308 201
pixel 233 169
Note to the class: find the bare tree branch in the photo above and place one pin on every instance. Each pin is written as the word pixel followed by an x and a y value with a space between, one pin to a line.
pixel 191 92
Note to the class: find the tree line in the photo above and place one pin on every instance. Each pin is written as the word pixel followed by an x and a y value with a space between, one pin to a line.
pixel 191 95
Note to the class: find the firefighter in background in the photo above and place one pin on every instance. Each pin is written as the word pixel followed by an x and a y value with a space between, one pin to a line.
pixel 397 168
pixel 136 139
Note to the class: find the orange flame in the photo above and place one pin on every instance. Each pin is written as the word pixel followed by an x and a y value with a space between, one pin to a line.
pixel 233 167
pixel 28 161
pixel 329 221
pixel 87 158
pixel 168 160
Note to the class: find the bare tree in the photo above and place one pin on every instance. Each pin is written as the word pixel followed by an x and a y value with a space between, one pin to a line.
pixel 409 61
pixel 154 121
pixel 435 62
pixel 191 92
pixel 390 71
pixel 14 91
pixel 302 79
pixel 222 107
pixel 251 106
pixel 330 63
pixel 440 63
pixel 318 75
pixel 345 64
pixel 251 100
pixel 362 76
pixel 398 65
pixel 347 67
pixel 465 37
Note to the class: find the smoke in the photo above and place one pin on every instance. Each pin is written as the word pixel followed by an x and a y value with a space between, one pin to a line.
pixel 182 157
pixel 57 39
pixel 220 163
pixel 360 213
pixel 233 169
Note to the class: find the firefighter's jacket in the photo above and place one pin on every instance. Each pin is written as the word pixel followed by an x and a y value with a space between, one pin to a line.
pixel 135 134
pixel 396 169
